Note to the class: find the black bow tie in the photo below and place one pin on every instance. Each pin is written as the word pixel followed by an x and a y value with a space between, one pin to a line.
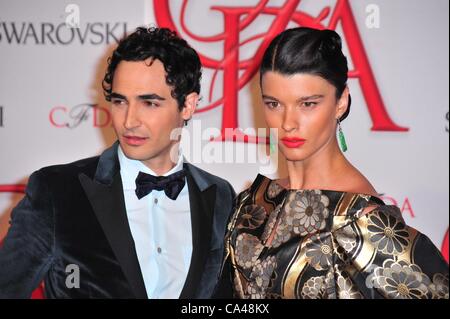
pixel 172 184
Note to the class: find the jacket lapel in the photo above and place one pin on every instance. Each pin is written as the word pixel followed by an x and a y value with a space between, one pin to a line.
pixel 105 193
pixel 202 198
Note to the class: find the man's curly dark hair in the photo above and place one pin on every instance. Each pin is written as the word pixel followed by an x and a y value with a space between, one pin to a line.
pixel 181 62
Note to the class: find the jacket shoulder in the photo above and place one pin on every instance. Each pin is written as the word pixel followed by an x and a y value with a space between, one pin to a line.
pixel 221 183
pixel 87 166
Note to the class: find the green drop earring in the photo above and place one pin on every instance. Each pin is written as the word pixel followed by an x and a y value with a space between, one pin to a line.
pixel 341 137
pixel 272 143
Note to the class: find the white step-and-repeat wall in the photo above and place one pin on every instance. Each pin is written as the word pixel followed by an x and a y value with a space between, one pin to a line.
pixel 53 57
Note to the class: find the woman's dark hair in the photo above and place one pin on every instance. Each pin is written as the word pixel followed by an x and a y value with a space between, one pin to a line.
pixel 310 51
pixel 181 62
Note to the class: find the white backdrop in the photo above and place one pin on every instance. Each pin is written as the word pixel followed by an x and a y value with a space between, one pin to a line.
pixel 50 74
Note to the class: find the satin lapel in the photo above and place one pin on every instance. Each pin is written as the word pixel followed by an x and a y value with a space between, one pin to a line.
pixel 202 203
pixel 105 193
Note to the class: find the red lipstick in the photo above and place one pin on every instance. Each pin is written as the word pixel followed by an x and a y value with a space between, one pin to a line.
pixel 293 142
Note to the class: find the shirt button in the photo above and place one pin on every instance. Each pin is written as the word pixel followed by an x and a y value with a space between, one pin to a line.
pixel 159 250
pixel 156 201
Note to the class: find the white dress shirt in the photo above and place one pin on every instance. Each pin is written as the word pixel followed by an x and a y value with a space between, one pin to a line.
pixel 161 230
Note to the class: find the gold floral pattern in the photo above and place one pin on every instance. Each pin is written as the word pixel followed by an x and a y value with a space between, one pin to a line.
pixel 319 252
pixel 317 244
pixel 314 288
pixel 274 189
pixel 439 287
pixel 270 223
pixel 340 253
pixel 251 217
pixel 261 277
pixel 307 211
pixel 347 290
pixel 248 248
pixel 388 233
pixel 303 213
pixel 346 238
pixel 400 280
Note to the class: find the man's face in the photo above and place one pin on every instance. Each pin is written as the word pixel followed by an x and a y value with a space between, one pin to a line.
pixel 144 113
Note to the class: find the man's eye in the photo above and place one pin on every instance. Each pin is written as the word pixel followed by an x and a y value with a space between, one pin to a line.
pixel 151 104
pixel 309 104
pixel 117 102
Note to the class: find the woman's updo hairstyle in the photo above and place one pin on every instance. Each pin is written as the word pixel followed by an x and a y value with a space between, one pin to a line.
pixel 309 51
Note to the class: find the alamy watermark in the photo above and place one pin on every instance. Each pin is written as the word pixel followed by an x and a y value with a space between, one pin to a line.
pixel 73 16
pixel 73 276
pixel 199 147
pixel 373 16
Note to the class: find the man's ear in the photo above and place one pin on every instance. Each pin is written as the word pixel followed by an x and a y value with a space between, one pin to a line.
pixel 190 105
pixel 343 101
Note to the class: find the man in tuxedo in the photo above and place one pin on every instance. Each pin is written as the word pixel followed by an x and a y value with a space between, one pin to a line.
pixel 138 221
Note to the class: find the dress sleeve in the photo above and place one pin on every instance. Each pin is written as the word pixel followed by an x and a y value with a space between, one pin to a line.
pixel 389 259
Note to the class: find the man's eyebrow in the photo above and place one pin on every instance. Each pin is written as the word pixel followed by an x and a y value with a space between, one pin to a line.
pixel 151 96
pixel 115 95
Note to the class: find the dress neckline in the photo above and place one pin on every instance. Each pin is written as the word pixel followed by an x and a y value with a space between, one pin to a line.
pixel 260 178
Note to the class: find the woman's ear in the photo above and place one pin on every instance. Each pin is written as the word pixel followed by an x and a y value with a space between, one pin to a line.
pixel 190 105
pixel 343 102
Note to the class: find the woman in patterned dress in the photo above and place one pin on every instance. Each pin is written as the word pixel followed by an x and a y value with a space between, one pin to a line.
pixel 322 232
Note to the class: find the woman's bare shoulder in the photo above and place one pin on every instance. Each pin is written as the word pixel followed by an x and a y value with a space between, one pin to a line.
pixel 357 183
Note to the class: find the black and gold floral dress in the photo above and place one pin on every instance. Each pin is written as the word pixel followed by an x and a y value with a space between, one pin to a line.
pixel 320 244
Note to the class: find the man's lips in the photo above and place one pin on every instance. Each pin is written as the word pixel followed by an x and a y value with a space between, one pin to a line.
pixel 134 140
pixel 293 142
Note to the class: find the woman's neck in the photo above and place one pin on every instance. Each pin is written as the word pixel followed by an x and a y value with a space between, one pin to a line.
pixel 320 171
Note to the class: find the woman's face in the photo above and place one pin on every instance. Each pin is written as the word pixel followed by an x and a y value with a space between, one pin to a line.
pixel 303 109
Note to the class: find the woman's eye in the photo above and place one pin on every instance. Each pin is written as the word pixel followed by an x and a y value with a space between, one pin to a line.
pixel 272 104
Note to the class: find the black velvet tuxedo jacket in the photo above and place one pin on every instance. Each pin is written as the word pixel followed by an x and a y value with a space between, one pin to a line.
pixel 75 214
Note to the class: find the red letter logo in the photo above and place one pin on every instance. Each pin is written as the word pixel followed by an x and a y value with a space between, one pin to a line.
pixel 237 74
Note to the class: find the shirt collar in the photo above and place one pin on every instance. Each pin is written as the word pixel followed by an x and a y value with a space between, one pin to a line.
pixel 130 168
